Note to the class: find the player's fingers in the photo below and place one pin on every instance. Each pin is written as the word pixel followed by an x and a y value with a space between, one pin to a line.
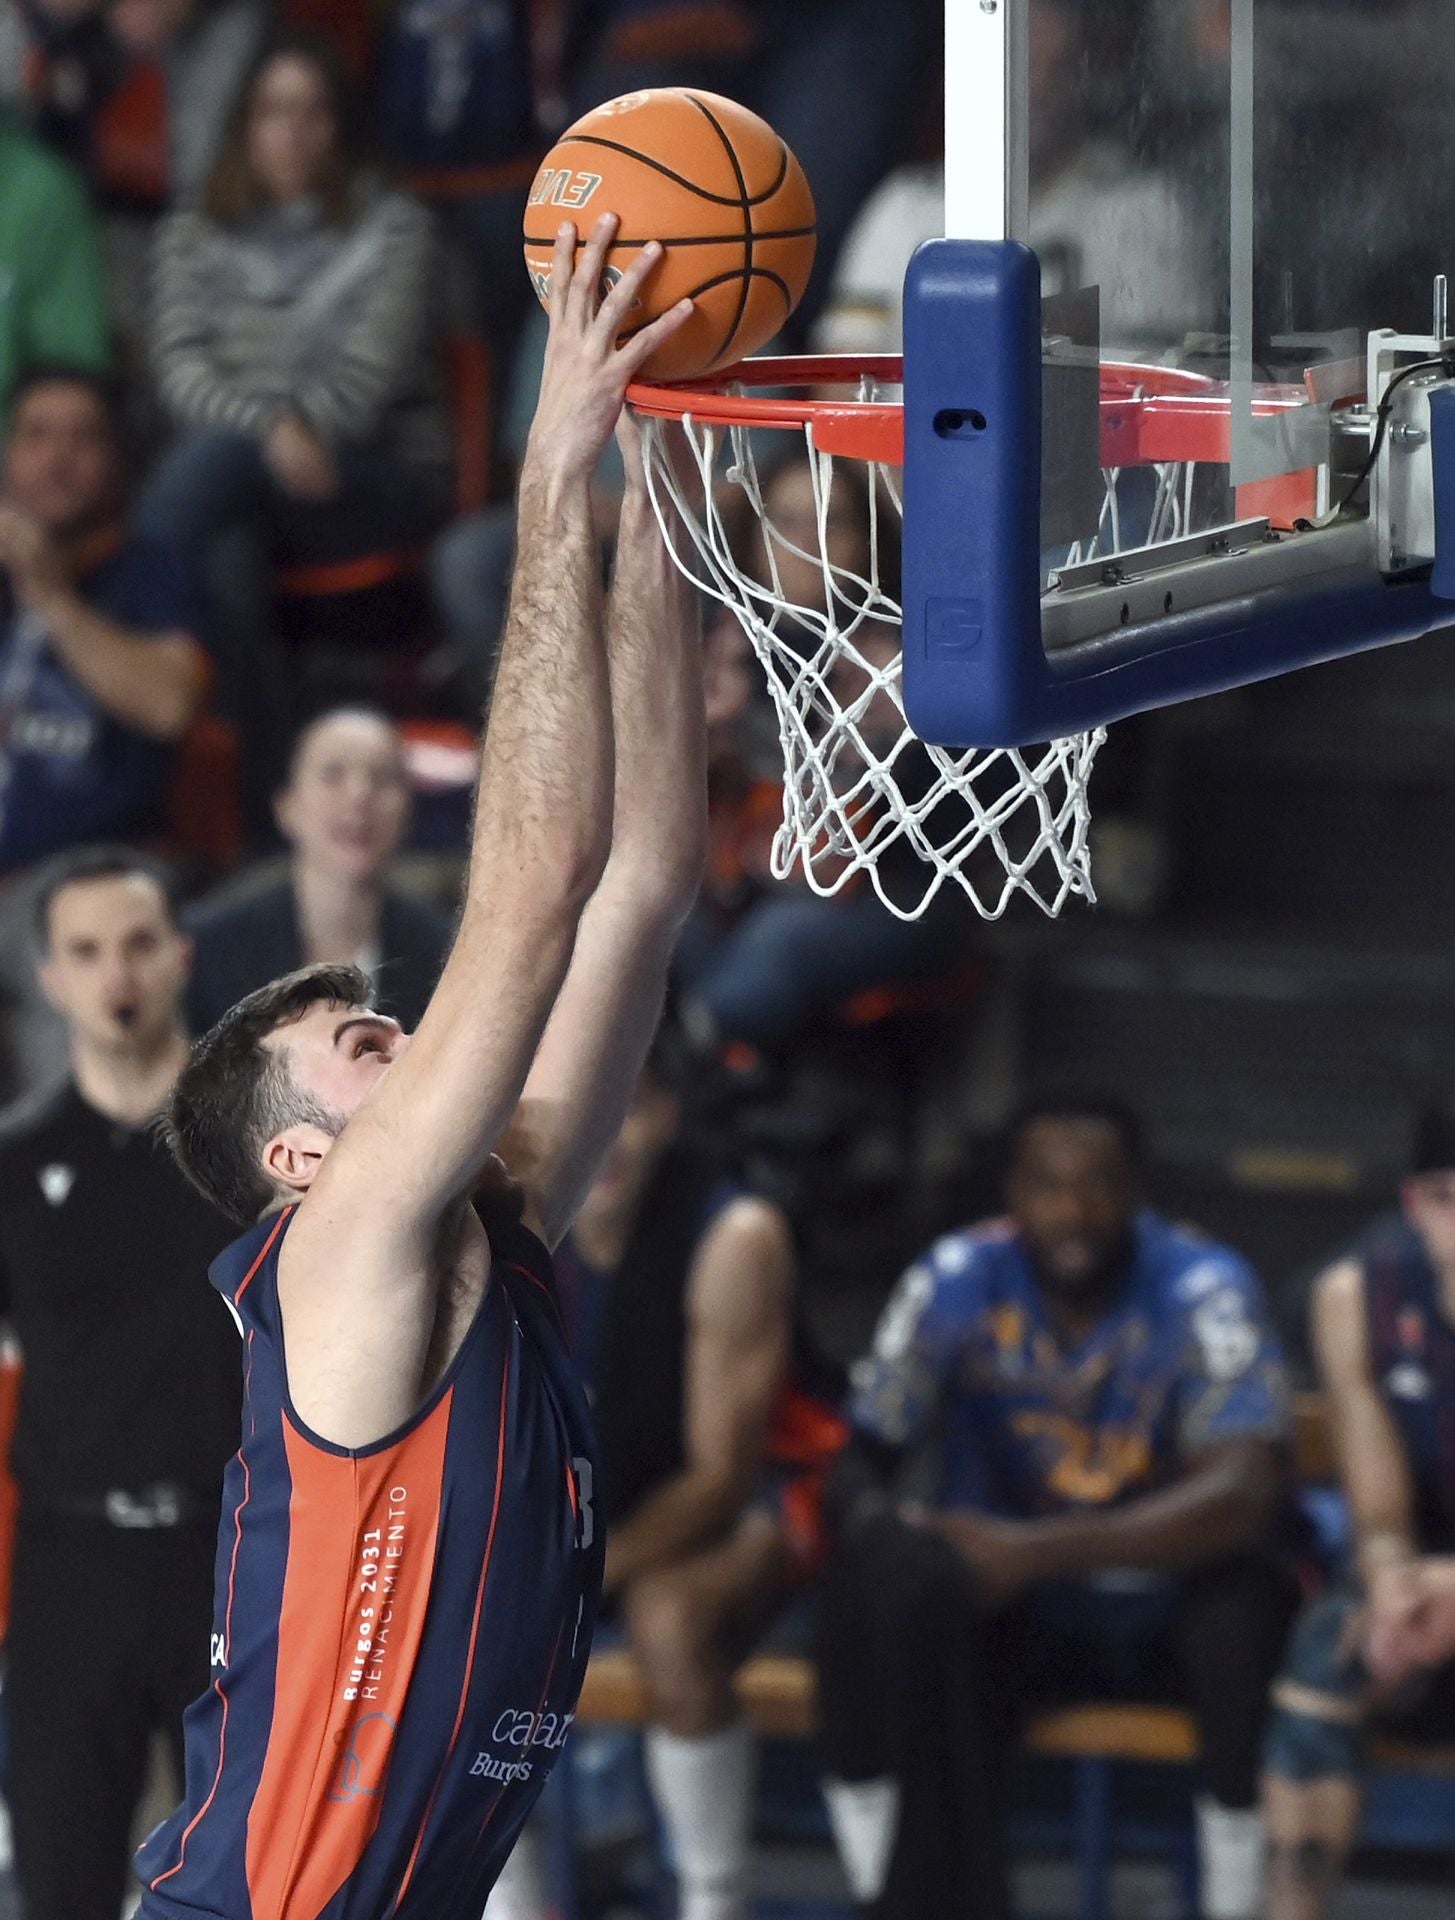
pixel 586 281
pixel 619 302
pixel 640 348
pixel 563 257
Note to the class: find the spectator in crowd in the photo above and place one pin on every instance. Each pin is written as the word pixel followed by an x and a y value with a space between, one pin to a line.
pixel 292 345
pixel 844 90
pixel 1384 1340
pixel 52 281
pixel 1097 217
pixel 58 67
pixel 678 1282
pixel 343 811
pixel 101 670
pixel 456 98
pixel 199 52
pixel 130 1402
pixel 1097 1519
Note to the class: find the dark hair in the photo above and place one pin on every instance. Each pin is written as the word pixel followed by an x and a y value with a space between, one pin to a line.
pixel 231 192
pixel 1433 1146
pixel 233 1095
pixel 103 389
pixel 1101 1109
pixel 344 710
pixel 99 863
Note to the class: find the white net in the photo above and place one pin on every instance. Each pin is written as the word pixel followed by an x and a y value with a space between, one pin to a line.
pixel 815 589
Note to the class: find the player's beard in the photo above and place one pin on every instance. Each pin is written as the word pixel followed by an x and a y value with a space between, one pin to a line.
pixel 1102 1281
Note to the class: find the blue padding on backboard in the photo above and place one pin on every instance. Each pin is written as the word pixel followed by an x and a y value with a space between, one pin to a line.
pixel 1442 463
pixel 972 486
pixel 975 671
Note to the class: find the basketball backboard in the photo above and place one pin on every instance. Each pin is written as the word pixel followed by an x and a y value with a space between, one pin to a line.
pixel 1132 453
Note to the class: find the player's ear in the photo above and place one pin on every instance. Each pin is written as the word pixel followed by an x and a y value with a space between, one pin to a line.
pixel 292 1158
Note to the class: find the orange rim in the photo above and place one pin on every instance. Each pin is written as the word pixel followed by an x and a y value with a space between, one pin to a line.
pixel 1148 413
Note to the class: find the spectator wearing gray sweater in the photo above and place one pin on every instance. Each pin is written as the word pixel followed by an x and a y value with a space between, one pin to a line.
pixel 294 346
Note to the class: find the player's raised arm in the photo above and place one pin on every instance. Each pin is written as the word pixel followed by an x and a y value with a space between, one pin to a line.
pixel 608 1008
pixel 542 824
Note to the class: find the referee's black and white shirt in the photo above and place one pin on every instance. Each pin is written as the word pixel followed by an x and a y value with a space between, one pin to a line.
pixel 132 1366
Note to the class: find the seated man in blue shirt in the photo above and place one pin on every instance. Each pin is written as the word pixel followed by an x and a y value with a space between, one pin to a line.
pixel 1108 1408
pixel 100 670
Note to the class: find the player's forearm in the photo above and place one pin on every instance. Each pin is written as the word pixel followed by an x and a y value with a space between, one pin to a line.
pixel 654 649
pixel 154 684
pixel 1224 1507
pixel 543 819
pixel 682 1515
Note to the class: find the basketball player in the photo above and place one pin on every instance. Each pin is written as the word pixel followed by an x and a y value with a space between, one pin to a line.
pixel 409 1559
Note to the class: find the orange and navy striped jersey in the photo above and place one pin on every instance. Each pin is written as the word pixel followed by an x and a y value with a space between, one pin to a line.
pixel 400 1631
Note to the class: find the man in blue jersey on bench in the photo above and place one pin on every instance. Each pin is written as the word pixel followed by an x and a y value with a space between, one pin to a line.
pixel 409 1561
pixel 1104 1404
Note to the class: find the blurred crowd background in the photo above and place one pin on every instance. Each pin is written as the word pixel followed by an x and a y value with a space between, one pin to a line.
pixel 268 355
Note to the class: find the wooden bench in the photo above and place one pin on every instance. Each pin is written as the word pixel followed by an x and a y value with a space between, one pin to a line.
pixel 776 1692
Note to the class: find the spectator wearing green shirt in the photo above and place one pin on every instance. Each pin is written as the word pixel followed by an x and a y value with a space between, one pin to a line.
pixel 52 281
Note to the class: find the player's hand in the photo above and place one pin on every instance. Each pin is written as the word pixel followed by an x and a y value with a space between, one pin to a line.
pixel 299 460
pixel 1410 1623
pixel 29 556
pixel 586 373
pixel 998 1552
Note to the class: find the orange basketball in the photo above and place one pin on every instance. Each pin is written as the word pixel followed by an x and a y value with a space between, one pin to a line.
pixel 716 186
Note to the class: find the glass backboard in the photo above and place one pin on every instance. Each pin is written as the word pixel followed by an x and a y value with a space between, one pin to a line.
pixel 1239 211
pixel 1242 189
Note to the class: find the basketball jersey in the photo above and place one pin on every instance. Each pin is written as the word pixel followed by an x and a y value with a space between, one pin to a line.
pixel 400 1631
pixel 1184 1359
pixel 1412 1361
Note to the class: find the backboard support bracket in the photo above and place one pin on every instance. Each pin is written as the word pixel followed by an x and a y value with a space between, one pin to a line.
pixel 976 668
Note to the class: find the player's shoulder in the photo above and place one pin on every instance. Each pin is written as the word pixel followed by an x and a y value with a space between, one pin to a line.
pixel 1188 1265
pixel 971 1257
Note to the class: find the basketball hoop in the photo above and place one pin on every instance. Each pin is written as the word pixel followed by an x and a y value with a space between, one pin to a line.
pixel 862 795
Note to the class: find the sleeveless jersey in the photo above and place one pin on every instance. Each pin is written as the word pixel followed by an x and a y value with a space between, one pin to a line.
pixel 400 1632
pixel 1412 1361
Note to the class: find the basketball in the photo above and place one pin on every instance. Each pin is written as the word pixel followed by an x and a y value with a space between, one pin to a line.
pixel 716 186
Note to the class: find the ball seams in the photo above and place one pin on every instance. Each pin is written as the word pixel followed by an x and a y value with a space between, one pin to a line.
pixel 722 280
pixel 548 240
pixel 747 210
pixel 670 173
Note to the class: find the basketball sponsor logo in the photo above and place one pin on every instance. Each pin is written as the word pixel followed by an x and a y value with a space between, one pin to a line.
pixel 540 279
pixel 563 187
pixel 520 1727
pixel 380 1561
pixel 365 1758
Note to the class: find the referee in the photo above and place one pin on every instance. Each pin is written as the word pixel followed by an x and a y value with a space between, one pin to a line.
pixel 130 1399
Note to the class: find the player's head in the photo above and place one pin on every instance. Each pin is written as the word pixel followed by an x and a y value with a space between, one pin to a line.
pixel 345 804
pixel 113 961
pixel 268 1091
pixel 62 460
pixel 1428 1192
pixel 1072 1174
